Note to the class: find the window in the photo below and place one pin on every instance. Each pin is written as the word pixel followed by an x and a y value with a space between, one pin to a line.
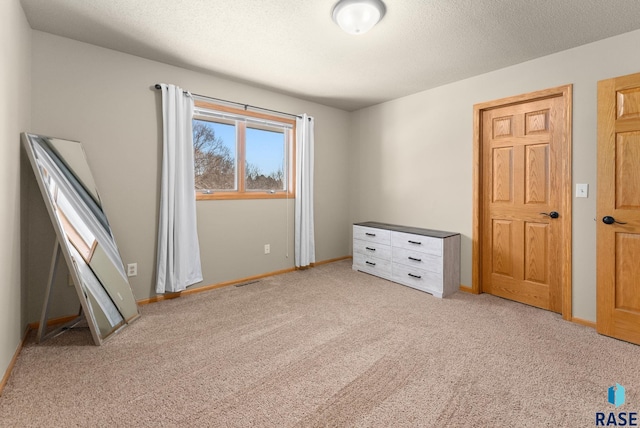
pixel 242 155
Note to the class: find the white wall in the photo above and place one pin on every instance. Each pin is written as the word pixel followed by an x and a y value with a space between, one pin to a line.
pixel 412 157
pixel 105 99
pixel 15 69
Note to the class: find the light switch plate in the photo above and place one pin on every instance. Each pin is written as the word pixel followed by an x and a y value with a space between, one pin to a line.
pixel 582 190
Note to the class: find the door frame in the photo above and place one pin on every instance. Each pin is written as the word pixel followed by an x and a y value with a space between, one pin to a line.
pixel 566 93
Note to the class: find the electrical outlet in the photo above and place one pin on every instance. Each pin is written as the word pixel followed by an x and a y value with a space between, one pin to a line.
pixel 132 269
pixel 267 248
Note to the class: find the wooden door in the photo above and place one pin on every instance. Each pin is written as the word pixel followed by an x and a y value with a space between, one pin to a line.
pixel 525 211
pixel 618 212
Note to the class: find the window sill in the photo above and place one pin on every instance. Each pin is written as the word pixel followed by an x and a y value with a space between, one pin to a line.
pixel 246 195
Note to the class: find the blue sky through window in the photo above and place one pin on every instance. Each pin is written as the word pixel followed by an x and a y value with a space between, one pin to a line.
pixel 264 149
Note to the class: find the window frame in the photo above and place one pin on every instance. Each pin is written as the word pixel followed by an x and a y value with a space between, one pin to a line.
pixel 241 192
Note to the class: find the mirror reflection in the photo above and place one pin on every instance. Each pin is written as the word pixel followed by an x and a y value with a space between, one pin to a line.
pixel 83 233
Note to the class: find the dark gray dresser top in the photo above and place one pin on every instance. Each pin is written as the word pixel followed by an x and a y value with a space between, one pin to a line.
pixel 407 229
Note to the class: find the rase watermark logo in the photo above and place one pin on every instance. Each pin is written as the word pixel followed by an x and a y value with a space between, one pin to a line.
pixel 616 396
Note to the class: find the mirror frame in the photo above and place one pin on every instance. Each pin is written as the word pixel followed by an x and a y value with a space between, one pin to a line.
pixel 64 246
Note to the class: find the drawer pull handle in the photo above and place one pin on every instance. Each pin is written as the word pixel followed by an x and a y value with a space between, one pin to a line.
pixel 415 242
pixel 370 234
pixel 370 249
pixel 370 263
pixel 414 259
pixel 414 276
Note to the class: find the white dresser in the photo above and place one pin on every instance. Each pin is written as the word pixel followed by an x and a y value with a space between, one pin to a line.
pixel 428 260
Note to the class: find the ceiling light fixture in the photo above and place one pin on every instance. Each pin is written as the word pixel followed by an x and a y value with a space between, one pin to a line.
pixel 358 16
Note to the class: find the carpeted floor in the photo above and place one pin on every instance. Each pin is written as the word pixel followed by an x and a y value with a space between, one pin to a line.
pixel 325 347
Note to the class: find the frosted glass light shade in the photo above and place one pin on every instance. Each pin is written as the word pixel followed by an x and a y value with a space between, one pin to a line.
pixel 358 16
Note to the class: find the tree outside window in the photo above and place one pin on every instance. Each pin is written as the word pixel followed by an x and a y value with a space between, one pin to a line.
pixel 241 155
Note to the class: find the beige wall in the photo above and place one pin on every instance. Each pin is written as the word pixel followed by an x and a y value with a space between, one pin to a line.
pixel 105 99
pixel 412 157
pixel 15 69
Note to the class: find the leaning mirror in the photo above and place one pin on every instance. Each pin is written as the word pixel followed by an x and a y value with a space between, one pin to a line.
pixel 84 236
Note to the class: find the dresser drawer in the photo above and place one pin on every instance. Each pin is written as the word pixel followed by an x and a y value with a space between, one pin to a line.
pixel 370 234
pixel 373 265
pixel 421 279
pixel 419 243
pixel 372 249
pixel 424 261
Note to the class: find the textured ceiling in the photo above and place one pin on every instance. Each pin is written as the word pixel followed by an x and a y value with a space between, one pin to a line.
pixel 294 47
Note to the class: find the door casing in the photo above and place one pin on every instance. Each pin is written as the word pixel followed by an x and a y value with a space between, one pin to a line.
pixel 566 187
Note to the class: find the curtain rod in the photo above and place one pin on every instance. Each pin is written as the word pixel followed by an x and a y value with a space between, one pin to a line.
pixel 246 106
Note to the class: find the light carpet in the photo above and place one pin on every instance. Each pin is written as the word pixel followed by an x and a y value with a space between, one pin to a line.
pixel 325 347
